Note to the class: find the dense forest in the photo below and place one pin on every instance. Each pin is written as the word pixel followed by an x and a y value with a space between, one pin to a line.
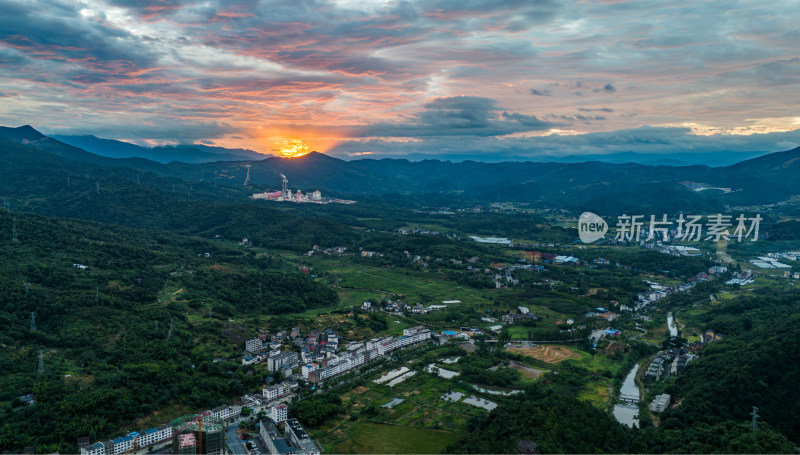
pixel 134 332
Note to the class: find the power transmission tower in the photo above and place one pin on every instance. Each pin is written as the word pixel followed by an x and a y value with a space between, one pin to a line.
pixel 97 296
pixel 27 286
pixel 156 326
pixel 259 289
pixel 40 370
pixel 171 322
pixel 754 422
pixel 33 321
pixel 97 187
pixel 14 230
pixel 68 185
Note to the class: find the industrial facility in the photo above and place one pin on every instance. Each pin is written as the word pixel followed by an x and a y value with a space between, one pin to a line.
pixel 286 195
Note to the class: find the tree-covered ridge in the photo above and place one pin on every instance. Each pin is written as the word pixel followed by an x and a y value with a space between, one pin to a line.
pixel 135 332
pixel 758 364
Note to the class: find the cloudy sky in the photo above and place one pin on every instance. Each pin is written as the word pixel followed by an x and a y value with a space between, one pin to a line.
pixel 467 78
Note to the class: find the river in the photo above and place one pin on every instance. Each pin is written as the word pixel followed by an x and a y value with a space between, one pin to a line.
pixel 673 329
pixel 628 412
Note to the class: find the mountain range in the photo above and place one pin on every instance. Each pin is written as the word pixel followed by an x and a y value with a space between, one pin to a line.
pixel 596 186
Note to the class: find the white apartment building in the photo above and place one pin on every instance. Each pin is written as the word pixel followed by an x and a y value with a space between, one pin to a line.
pixel 273 392
pixel 154 435
pixel 254 345
pixel 279 413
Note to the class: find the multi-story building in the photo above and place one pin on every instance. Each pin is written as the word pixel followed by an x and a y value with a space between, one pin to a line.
pixel 254 345
pixel 285 359
pixel 226 412
pixel 154 435
pixel 307 369
pixel 279 413
pixel 338 365
pixel 98 448
pixel 298 437
pixel 411 336
pixel 119 445
pixel 660 403
pixel 273 440
pixel 274 392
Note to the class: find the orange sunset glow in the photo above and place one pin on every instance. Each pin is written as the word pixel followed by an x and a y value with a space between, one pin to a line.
pixel 293 148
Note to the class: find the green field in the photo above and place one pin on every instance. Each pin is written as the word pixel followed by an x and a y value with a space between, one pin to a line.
pixel 367 437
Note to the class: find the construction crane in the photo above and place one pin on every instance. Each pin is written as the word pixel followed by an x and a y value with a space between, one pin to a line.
pixel 134 445
pixel 199 421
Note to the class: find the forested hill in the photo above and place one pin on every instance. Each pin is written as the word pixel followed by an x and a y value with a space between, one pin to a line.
pixel 133 333
pixel 758 365
pixel 33 180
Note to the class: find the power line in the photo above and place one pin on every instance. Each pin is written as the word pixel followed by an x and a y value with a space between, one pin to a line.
pixel 754 422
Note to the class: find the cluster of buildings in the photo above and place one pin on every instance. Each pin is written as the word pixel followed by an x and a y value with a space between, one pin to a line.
pixel 742 278
pixel 125 443
pixel 282 361
pixel 286 195
pixel 674 250
pixel 358 354
pixel 771 261
pixel 523 313
pixel 658 292
pixel 602 313
pixel 320 355
pixel 398 307
pixel 295 440
pixel 331 250
pixel 673 361
pixel 161 434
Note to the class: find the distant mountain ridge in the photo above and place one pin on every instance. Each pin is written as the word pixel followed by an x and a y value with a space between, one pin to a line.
pixel 594 186
pixel 184 153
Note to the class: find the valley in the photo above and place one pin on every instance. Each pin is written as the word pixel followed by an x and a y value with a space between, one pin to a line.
pixel 148 296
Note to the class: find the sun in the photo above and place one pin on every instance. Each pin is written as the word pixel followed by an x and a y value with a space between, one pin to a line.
pixel 293 148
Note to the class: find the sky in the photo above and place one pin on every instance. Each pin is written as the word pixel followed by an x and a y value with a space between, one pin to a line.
pixel 475 79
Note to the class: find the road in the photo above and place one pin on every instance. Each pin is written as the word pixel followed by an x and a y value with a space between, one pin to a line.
pixel 234 441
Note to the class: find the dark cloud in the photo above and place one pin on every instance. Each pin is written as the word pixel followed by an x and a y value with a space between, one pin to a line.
pixel 528 121
pixel 459 116
pixel 542 92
